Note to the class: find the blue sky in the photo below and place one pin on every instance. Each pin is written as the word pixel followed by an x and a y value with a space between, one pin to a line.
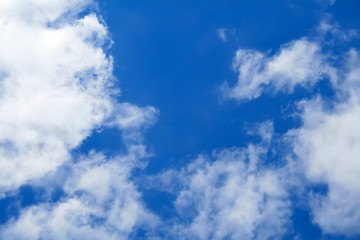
pixel 179 120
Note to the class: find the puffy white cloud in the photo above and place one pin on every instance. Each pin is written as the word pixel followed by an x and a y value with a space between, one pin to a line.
pixel 328 147
pixel 54 85
pixel 101 203
pixel 39 12
pixel 231 195
pixel 299 62
pixel 227 199
pixel 55 88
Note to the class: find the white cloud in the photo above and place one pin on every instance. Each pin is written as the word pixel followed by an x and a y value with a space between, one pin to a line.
pixel 228 199
pixel 299 62
pixel 54 86
pixel 328 26
pixel 265 130
pixel 230 195
pixel 39 12
pixel 54 90
pixel 101 203
pixel 328 147
pixel 132 116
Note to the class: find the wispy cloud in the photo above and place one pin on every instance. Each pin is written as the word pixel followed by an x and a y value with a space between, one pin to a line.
pixel 299 62
pixel 221 32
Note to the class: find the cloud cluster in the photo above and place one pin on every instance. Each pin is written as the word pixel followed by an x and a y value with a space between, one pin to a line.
pixel 56 88
pixel 101 203
pixel 230 195
pixel 326 146
pixel 228 199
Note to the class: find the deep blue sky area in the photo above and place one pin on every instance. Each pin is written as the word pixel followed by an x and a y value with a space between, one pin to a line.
pixel 168 55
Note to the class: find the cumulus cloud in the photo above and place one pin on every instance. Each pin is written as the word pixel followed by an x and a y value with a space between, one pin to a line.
pixel 55 89
pixel 230 195
pixel 35 12
pixel 225 200
pixel 328 146
pixel 101 203
pixel 299 62
pixel 54 86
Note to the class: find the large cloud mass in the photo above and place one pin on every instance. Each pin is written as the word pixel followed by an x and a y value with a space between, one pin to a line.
pixel 229 199
pixel 328 146
pixel 53 85
pixel 56 80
